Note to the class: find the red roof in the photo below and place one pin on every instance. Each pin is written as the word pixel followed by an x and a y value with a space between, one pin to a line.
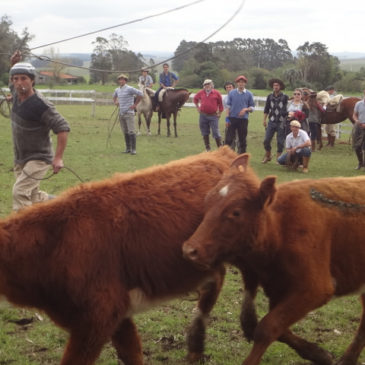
pixel 61 76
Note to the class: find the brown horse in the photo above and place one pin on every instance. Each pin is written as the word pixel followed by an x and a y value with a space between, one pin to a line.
pixel 172 102
pixel 332 116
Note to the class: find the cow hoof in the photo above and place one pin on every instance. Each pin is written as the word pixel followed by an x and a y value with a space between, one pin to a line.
pixel 346 361
pixel 194 357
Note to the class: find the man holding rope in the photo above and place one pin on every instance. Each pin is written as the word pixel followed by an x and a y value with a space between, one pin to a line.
pixel 32 118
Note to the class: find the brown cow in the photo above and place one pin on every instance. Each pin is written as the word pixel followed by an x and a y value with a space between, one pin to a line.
pixel 103 251
pixel 303 241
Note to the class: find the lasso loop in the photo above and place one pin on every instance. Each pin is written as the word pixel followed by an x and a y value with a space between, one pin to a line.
pixel 52 174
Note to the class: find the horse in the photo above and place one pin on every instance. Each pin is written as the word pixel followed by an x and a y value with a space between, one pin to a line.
pixel 145 107
pixel 346 111
pixel 172 102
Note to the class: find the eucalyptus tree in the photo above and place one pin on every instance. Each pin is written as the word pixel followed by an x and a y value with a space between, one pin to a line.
pixel 10 41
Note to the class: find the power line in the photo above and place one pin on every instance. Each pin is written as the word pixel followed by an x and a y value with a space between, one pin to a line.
pixel 121 25
pixel 48 59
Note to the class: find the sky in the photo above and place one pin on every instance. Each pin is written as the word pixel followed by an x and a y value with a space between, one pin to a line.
pixel 340 28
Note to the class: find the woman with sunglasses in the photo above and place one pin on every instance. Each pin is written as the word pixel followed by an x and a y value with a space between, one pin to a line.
pixel 295 104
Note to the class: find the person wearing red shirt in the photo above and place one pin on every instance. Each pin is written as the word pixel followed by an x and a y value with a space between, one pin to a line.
pixel 209 104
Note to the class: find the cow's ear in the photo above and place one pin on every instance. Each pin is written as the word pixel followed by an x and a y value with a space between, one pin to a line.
pixel 241 162
pixel 268 190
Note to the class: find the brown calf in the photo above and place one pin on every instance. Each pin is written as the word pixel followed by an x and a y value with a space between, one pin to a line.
pixel 103 251
pixel 303 241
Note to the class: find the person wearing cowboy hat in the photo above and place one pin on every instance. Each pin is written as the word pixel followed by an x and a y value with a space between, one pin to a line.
pixel 145 79
pixel 276 110
pixel 209 104
pixel 33 117
pixel 297 145
pixel 239 104
pixel 127 98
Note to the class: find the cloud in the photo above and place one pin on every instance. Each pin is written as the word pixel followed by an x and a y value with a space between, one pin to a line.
pixel 296 22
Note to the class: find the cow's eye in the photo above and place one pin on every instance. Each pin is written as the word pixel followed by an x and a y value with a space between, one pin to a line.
pixel 236 213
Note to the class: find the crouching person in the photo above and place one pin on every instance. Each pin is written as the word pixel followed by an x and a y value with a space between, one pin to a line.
pixel 297 146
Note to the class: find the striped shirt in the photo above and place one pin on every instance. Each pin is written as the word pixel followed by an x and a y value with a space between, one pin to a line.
pixel 125 96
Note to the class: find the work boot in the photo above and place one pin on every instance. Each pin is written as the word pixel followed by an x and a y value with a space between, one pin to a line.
pixel 359 158
pixel 207 143
pixel 127 143
pixel 267 157
pixel 305 164
pixel 133 139
pixel 218 141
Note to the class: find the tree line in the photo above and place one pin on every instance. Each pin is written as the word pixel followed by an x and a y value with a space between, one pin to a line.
pixel 310 65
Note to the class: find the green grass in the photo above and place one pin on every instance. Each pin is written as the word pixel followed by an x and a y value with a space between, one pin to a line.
pixel 93 156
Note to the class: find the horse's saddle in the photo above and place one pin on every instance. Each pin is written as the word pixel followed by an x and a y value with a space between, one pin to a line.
pixel 163 92
pixel 332 104
pixel 335 102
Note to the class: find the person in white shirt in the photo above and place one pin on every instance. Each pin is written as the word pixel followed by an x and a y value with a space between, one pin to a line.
pixel 297 146
pixel 145 79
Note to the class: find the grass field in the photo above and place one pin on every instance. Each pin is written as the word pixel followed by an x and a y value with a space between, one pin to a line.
pixel 94 152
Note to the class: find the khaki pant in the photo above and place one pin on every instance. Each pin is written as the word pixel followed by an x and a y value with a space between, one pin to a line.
pixel 127 125
pixel 26 189
pixel 330 130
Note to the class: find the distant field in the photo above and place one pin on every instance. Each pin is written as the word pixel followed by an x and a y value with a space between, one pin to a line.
pixel 352 64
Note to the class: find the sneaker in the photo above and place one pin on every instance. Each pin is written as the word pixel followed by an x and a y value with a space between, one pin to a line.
pixel 50 196
pixel 305 170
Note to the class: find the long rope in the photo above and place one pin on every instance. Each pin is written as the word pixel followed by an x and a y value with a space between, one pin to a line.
pixel 52 174
pixel 179 54
pixel 122 24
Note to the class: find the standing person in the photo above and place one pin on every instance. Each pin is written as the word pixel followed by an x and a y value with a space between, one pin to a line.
pixel 297 145
pixel 240 102
pixel 358 134
pixel 167 79
pixel 276 110
pixel 297 109
pixel 209 104
pixel 145 79
pixel 228 86
pixel 127 97
pixel 32 119
pixel 330 128
pixel 314 118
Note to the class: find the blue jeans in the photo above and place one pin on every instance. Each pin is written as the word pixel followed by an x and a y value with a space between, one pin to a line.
pixel 280 136
pixel 207 123
pixel 304 152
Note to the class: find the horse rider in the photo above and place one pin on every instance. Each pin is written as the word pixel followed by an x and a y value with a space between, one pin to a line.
pixel 145 79
pixel 167 79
